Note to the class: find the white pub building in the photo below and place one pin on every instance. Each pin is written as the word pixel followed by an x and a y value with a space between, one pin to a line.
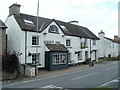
pixel 59 43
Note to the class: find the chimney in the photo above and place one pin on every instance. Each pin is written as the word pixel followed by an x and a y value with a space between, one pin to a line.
pixel 14 9
pixel 116 37
pixel 101 34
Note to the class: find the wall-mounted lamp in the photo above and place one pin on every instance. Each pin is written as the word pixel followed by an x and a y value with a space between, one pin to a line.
pixel 44 33
pixel 76 52
pixel 63 35
pixel 29 54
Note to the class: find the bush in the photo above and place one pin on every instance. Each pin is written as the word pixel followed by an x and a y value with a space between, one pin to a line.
pixel 87 61
pixel 112 58
pixel 10 62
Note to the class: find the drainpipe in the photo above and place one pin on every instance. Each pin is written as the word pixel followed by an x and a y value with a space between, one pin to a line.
pixel 6 44
pixel 90 50
pixel 25 47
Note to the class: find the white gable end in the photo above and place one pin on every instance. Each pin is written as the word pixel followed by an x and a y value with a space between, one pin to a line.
pixel 55 37
pixel 47 30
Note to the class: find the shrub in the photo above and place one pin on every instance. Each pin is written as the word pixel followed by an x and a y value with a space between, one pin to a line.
pixel 10 62
pixel 87 61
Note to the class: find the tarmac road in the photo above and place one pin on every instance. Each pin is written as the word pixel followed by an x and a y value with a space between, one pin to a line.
pixel 90 78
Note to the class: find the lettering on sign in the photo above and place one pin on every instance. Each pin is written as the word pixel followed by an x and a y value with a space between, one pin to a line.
pixel 51 42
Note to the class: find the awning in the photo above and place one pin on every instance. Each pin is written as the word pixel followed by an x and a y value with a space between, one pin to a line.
pixel 56 47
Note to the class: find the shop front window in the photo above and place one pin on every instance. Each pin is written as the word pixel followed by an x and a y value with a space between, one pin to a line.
pixel 59 59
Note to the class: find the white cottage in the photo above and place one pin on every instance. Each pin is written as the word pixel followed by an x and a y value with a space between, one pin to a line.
pixel 59 43
pixel 2 38
pixel 107 47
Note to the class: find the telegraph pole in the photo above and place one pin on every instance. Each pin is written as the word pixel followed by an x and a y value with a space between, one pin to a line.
pixel 37 58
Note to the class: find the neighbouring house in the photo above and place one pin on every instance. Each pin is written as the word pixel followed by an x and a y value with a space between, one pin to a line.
pixel 2 40
pixel 117 39
pixel 58 43
pixel 108 47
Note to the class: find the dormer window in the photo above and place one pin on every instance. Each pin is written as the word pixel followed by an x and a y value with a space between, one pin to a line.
pixel 29 22
pixel 63 27
pixel 53 29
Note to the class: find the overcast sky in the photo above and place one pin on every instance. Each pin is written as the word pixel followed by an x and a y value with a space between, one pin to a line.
pixel 94 14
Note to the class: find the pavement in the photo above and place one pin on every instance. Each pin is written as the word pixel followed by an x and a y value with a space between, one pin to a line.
pixel 45 73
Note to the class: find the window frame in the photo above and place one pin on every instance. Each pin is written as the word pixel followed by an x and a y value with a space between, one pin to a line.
pixel 35 57
pixel 68 44
pixel 86 55
pixel 36 42
pixel 79 55
pixel 94 42
pixel 59 58
pixel 86 42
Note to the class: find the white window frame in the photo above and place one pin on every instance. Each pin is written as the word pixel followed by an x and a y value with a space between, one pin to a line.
pixel 36 43
pixel 94 42
pixel 68 44
pixel 79 55
pixel 58 58
pixel 36 58
pixel 86 42
pixel 86 55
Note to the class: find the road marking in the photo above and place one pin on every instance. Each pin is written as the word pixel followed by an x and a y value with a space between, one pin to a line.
pixel 51 86
pixel 111 68
pixel 109 82
pixel 85 76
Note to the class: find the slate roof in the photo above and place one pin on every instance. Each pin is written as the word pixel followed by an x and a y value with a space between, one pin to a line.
pixel 2 25
pixel 108 38
pixel 112 40
pixel 56 47
pixel 71 30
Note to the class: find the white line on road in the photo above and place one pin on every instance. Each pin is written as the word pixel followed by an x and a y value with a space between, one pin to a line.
pixel 108 82
pixel 48 86
pixel 51 86
pixel 111 68
pixel 85 76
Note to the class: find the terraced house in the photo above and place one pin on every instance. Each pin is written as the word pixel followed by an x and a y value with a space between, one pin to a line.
pixel 108 47
pixel 2 38
pixel 58 43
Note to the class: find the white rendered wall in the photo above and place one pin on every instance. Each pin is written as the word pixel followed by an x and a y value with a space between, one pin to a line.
pixel 14 36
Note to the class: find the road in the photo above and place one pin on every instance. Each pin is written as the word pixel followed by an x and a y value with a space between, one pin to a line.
pixel 94 77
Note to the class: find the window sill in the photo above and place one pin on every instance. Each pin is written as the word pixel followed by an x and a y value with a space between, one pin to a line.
pixel 58 64
pixel 68 46
pixel 79 59
pixel 35 46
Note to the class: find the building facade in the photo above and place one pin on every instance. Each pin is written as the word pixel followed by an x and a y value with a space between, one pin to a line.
pixel 57 43
pixel 2 38
pixel 2 41
pixel 108 47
